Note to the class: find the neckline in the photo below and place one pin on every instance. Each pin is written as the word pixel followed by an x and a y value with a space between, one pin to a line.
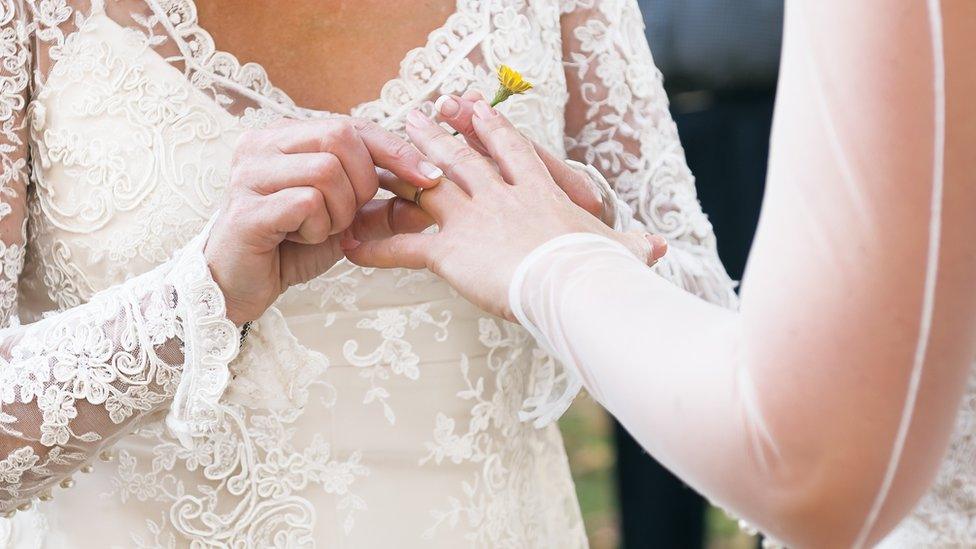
pixel 436 57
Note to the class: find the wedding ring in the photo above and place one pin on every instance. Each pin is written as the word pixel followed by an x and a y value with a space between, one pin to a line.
pixel 416 195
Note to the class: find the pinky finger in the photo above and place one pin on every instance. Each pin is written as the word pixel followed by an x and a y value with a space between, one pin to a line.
pixel 410 251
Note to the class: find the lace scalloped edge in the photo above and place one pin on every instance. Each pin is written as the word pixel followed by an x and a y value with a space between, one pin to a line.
pixel 211 342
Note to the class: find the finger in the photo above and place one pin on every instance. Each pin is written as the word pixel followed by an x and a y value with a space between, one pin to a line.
pixel 472 95
pixel 410 251
pixel 512 151
pixel 323 171
pixel 385 149
pixel 647 247
pixel 392 152
pixel 269 174
pixel 357 163
pixel 462 164
pixel 659 247
pixel 457 112
pixel 383 218
pixel 442 202
pixel 303 262
pixel 296 213
pixel 339 138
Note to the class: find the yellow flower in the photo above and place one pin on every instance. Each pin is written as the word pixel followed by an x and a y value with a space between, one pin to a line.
pixel 511 82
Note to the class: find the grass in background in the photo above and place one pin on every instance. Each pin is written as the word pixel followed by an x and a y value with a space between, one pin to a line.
pixel 588 435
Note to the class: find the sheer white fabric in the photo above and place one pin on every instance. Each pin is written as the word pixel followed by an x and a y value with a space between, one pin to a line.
pixel 369 408
pixel 821 410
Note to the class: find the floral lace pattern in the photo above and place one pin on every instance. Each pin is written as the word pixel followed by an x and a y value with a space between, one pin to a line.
pixel 118 125
pixel 73 382
pixel 944 516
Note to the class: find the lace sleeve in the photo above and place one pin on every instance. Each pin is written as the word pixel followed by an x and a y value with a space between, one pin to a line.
pixel 76 381
pixel 15 68
pixel 617 121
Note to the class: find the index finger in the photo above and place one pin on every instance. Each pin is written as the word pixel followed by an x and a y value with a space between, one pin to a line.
pixel 385 148
pixel 395 154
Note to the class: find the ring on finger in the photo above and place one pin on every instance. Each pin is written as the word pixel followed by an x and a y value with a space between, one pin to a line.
pixel 417 194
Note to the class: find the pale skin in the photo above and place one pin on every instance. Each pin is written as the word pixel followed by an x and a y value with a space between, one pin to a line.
pixel 297 185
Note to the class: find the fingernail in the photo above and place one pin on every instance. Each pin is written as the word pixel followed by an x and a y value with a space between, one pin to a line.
pixel 656 241
pixel 483 110
pixel 447 106
pixel 417 119
pixel 430 171
pixel 472 95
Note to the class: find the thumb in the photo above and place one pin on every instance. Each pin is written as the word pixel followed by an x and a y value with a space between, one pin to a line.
pixel 410 251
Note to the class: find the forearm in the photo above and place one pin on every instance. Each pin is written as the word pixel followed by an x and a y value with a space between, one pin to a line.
pixel 855 333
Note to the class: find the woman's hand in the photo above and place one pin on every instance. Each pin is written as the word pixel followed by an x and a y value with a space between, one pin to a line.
pixel 489 219
pixel 296 186
pixel 457 111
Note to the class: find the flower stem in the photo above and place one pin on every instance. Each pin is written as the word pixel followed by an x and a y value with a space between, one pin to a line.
pixel 501 96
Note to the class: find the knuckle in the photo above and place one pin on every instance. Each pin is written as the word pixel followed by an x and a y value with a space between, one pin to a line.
pixel 512 141
pixel 463 155
pixel 343 215
pixel 337 131
pixel 243 147
pixel 310 200
pixel 324 166
pixel 401 149
pixel 319 231
pixel 360 124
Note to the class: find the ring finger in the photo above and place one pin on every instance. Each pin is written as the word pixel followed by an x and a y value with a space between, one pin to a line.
pixel 440 202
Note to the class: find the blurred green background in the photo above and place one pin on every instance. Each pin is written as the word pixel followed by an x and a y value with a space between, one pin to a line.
pixel 588 435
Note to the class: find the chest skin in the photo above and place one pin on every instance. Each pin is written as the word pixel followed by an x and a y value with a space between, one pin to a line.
pixel 325 54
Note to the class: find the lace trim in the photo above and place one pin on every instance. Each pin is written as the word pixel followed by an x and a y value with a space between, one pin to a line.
pixel 421 70
pixel 211 342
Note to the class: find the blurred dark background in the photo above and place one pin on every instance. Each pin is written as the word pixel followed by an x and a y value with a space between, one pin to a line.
pixel 720 61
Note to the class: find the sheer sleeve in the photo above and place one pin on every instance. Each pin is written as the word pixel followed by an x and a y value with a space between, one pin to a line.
pixel 619 131
pixel 75 381
pixel 820 410
pixel 618 124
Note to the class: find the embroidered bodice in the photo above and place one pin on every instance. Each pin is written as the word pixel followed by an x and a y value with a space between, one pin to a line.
pixel 368 407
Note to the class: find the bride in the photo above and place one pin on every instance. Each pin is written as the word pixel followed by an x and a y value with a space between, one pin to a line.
pixel 837 407
pixel 361 407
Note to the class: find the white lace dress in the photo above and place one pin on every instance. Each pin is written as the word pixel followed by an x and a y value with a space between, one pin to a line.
pixel 368 408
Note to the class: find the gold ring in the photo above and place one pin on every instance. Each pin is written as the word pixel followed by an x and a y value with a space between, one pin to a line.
pixel 416 195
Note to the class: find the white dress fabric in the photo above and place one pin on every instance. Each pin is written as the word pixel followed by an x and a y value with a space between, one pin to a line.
pixel 367 408
pixel 821 411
